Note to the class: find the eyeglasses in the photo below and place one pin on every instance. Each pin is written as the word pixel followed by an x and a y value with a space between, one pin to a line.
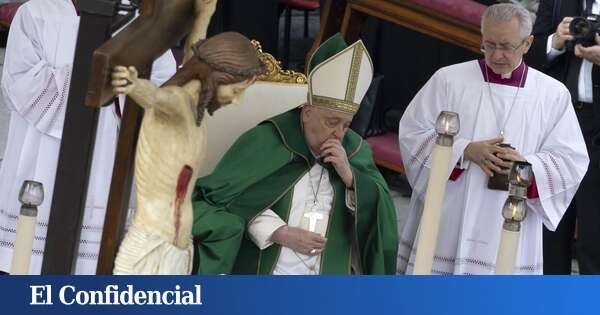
pixel 506 49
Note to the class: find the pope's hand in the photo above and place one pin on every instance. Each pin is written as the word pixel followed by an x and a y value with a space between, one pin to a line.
pixel 124 79
pixel 299 240
pixel 333 152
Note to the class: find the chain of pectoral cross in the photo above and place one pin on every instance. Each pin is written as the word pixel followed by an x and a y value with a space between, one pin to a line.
pixel 311 269
pixel 499 124
pixel 316 193
pixel 312 216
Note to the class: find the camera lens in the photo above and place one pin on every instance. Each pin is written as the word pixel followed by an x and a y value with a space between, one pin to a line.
pixel 580 27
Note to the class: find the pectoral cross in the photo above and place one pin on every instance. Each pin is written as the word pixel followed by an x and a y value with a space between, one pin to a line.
pixel 312 217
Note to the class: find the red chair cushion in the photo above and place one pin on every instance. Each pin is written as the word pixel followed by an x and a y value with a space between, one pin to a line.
pixel 467 11
pixel 301 4
pixel 7 13
pixel 386 148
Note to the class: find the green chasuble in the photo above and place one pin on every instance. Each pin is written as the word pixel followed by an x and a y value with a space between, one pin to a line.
pixel 259 172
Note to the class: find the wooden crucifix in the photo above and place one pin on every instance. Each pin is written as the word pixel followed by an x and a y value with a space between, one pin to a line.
pixel 161 24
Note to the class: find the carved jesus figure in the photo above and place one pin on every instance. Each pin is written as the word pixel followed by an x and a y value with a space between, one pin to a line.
pixel 172 145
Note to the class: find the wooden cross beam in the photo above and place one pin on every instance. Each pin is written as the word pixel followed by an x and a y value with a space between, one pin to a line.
pixel 161 24
pixel 77 145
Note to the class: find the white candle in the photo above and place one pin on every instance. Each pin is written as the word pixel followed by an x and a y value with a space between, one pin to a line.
pixel 430 221
pixel 507 252
pixel 23 245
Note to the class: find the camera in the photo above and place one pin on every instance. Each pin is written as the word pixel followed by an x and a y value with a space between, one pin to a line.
pixel 584 29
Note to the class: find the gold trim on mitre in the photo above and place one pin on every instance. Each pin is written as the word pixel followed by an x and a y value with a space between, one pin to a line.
pixel 335 104
pixel 354 72
pixel 274 72
pixel 348 104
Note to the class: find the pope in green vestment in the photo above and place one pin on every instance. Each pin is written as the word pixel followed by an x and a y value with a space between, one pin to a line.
pixel 260 171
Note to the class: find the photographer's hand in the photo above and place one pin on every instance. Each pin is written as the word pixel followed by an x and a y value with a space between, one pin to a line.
pixel 562 34
pixel 592 53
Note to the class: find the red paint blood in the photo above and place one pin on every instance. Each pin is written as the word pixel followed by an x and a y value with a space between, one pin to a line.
pixel 185 175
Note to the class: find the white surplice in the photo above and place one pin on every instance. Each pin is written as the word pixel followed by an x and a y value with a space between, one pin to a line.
pixel 35 87
pixel 542 127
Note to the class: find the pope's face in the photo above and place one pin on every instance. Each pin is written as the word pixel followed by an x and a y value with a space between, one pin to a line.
pixel 502 45
pixel 321 125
